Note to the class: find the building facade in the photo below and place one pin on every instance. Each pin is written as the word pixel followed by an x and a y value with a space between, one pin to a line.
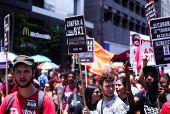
pixel 113 20
pixel 41 17
pixel 162 8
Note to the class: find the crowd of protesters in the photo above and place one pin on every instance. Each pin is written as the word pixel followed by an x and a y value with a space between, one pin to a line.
pixel 116 92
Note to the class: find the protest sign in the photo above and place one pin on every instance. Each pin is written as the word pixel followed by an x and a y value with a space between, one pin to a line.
pixel 6 32
pixel 87 57
pixel 160 34
pixel 6 43
pixel 76 34
pixel 146 48
pixel 150 10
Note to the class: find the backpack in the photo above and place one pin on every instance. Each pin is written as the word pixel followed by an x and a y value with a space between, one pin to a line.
pixel 41 84
pixel 40 100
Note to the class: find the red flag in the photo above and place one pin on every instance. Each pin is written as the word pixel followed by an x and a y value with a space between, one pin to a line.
pixel 101 59
pixel 138 57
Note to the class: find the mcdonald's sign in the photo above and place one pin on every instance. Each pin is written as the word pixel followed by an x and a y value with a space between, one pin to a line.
pixel 25 31
pixel 35 32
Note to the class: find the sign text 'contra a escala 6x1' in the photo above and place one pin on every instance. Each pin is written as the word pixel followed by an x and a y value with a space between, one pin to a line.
pixel 76 34
pixel 35 32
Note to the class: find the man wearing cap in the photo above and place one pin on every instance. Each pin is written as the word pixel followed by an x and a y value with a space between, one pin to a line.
pixel 148 100
pixel 26 97
pixel 43 76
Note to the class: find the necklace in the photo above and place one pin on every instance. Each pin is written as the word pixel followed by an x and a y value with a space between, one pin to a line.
pixel 150 102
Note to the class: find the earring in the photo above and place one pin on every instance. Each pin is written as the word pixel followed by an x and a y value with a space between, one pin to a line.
pixel 79 87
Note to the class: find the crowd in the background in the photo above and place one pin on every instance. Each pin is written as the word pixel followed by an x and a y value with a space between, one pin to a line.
pixel 117 92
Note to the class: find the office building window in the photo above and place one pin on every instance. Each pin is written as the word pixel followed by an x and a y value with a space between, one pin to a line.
pixel 26 1
pixel 162 12
pixel 117 1
pixel 124 23
pixel 107 16
pixel 131 26
pixel 146 31
pixel 137 28
pixel 125 3
pixel 137 9
pixel 116 20
pixel 63 7
pixel 143 12
pixel 38 3
pixel 143 30
pixel 131 6
pixel 157 11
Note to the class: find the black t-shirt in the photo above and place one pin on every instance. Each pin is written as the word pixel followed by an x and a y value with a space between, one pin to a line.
pixel 130 109
pixel 147 104
pixel 71 101
pixel 80 106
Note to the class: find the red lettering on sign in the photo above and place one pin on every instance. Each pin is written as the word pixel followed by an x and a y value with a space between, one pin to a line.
pixel 150 50
pixel 146 51
pixel 134 51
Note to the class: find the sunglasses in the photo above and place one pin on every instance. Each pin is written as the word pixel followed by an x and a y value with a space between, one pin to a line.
pixel 46 86
pixel 97 92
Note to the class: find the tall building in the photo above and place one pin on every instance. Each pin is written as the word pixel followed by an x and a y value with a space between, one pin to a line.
pixel 162 8
pixel 113 20
pixel 31 21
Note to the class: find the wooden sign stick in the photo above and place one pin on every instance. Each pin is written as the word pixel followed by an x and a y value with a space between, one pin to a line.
pixel 86 74
pixel 81 81
pixel 6 73
pixel 73 65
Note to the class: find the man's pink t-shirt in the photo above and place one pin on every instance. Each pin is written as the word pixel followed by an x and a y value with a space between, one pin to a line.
pixel 68 92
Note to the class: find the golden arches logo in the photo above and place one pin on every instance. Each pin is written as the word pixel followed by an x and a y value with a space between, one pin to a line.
pixel 26 31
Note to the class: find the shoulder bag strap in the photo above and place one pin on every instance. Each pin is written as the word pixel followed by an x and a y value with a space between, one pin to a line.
pixel 101 107
pixel 61 97
pixel 40 100
pixel 75 99
pixel 9 105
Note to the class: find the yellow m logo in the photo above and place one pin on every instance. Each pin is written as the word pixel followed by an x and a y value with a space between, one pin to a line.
pixel 26 31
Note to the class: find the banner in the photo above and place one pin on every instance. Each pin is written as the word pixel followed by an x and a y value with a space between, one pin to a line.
pixel 160 34
pixel 146 48
pixel 6 32
pixel 87 57
pixel 76 34
pixel 150 10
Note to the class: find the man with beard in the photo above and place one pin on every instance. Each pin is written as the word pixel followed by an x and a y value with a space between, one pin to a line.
pixel 71 88
pixel 110 104
pixel 148 101
pixel 12 86
pixel 53 79
pixel 26 100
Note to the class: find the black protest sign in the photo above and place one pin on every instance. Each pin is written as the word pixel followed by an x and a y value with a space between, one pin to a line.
pixel 160 34
pixel 87 57
pixel 6 32
pixel 76 34
pixel 150 10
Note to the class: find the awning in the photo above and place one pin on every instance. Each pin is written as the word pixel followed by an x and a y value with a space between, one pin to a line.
pixel 120 51
pixel 125 55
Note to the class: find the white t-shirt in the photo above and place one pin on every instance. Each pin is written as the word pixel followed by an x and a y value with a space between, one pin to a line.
pixel 113 106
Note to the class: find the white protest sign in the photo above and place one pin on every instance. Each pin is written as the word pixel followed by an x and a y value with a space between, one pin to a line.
pixel 146 48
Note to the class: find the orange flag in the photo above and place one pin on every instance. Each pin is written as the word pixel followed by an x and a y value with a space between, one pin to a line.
pixel 102 59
